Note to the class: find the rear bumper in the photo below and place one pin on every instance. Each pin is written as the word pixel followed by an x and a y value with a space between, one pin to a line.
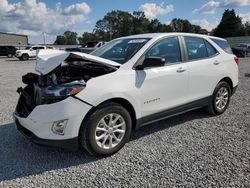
pixel 234 89
pixel 69 144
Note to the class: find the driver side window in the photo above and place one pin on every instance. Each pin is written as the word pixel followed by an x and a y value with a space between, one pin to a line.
pixel 168 48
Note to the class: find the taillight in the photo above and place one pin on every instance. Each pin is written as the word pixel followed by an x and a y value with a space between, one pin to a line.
pixel 236 59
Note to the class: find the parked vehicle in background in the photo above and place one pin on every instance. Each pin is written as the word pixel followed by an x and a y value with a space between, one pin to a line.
pixel 91 46
pixel 242 50
pixel 97 100
pixel 8 51
pixel 87 48
pixel 30 52
pixel 76 49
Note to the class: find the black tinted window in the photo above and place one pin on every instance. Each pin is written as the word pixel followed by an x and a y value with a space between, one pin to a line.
pixel 168 48
pixel 223 44
pixel 196 48
pixel 211 51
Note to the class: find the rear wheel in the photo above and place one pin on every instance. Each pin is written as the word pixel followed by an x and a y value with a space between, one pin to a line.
pixel 25 57
pixel 220 99
pixel 106 130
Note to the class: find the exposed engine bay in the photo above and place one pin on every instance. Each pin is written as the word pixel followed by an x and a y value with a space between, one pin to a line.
pixel 65 80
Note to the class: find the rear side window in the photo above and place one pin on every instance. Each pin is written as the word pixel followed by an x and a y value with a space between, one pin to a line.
pixel 211 51
pixel 196 48
pixel 167 48
pixel 223 44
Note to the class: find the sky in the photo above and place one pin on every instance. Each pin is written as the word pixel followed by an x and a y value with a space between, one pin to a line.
pixel 53 17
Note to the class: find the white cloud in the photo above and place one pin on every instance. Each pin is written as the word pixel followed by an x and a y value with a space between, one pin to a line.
pixel 206 24
pixel 211 6
pixel 208 8
pixel 151 10
pixel 32 18
pixel 77 9
pixel 245 17
pixel 237 3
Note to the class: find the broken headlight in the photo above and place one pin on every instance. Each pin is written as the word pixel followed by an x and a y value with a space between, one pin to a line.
pixel 64 90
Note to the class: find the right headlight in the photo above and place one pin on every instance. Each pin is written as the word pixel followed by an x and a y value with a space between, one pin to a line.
pixel 64 90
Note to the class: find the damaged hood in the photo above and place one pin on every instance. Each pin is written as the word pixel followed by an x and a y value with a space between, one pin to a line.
pixel 48 60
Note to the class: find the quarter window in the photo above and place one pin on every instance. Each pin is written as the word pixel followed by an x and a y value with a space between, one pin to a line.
pixel 211 51
pixel 168 48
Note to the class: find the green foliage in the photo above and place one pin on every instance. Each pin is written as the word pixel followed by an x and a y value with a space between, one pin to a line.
pixel 230 25
pixel 247 28
pixel 180 25
pixel 60 40
pixel 86 37
pixel 120 23
pixel 68 38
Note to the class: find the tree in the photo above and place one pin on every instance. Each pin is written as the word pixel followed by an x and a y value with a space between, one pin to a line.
pixel 118 23
pixel 87 37
pixel 247 28
pixel 60 40
pixel 68 38
pixel 230 25
pixel 180 25
pixel 156 26
pixel 71 37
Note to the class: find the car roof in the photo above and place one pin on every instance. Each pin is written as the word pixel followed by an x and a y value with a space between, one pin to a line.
pixel 159 35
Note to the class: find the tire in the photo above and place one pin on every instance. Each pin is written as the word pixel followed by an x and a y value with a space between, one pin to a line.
pixel 220 97
pixel 10 55
pixel 25 57
pixel 245 54
pixel 93 128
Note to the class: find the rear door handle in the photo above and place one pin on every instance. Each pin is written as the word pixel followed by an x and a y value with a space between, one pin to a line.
pixel 180 70
pixel 216 62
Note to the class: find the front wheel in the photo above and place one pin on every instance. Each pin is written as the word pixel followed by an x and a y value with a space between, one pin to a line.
pixel 107 129
pixel 220 99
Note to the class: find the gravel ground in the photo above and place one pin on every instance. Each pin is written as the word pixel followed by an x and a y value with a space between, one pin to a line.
pixel 190 150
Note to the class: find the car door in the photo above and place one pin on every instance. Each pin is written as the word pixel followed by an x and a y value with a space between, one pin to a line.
pixel 33 51
pixel 204 67
pixel 163 87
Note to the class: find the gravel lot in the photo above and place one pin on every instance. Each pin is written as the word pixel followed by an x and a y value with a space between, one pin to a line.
pixel 190 150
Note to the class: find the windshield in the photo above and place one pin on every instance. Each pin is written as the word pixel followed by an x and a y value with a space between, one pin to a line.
pixel 121 50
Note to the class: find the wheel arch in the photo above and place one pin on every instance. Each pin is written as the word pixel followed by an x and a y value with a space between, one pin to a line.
pixel 123 102
pixel 25 54
pixel 229 81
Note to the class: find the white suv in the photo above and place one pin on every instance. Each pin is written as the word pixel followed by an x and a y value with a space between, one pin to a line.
pixel 96 100
pixel 29 52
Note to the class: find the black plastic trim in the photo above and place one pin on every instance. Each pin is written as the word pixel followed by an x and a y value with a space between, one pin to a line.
pixel 68 144
pixel 172 112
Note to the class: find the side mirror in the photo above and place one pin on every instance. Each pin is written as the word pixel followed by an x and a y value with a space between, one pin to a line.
pixel 150 62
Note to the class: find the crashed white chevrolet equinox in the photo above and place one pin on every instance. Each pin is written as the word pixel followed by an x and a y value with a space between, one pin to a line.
pixel 96 100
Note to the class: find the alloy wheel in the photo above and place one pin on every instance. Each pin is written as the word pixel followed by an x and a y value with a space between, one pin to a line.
pixel 221 99
pixel 110 131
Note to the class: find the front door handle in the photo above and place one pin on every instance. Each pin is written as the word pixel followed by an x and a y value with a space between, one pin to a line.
pixel 180 70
